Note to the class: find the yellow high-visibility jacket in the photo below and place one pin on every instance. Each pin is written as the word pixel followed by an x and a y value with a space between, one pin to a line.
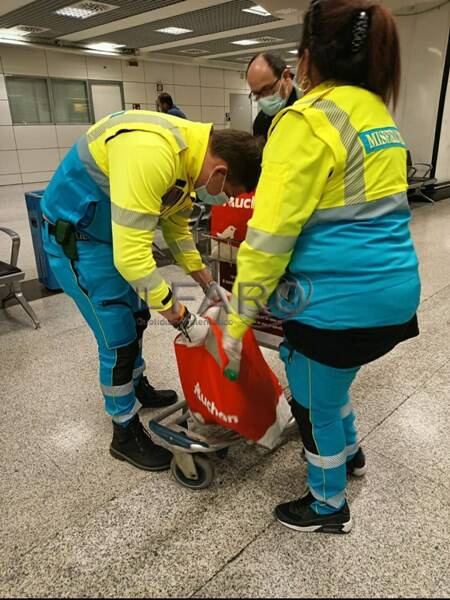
pixel 331 212
pixel 135 169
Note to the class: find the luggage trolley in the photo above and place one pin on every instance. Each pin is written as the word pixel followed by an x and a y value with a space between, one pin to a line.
pixel 191 442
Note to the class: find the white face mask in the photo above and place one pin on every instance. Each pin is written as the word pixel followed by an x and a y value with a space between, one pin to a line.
pixel 213 199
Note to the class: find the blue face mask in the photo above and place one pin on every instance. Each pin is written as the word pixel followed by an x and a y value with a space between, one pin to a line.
pixel 215 200
pixel 271 105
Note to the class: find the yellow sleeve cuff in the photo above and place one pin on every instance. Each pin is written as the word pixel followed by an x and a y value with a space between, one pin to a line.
pixel 155 298
pixel 237 326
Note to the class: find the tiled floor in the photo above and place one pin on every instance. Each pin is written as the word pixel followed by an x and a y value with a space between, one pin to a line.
pixel 74 522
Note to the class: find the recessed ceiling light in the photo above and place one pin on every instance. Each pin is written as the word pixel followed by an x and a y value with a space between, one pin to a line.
pixel 103 52
pixel 268 39
pixel 12 34
pixel 246 42
pixel 105 46
pixel 174 30
pixel 11 40
pixel 85 9
pixel 257 10
pixel 194 51
pixel 27 29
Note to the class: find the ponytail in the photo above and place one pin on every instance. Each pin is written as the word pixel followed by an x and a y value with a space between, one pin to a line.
pixel 384 66
pixel 354 42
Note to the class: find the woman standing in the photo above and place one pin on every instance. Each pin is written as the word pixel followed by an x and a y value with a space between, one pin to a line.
pixel 331 224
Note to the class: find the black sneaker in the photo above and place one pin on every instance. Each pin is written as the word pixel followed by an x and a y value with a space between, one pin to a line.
pixel 300 516
pixel 151 398
pixel 133 444
pixel 357 465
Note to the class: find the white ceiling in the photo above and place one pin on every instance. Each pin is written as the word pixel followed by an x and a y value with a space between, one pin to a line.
pixel 214 24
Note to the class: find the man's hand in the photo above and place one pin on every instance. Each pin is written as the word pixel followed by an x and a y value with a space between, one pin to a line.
pixel 202 277
pixel 192 326
pixel 233 350
pixel 217 294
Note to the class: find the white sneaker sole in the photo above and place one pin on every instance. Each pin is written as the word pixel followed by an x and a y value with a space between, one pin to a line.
pixel 330 528
pixel 359 472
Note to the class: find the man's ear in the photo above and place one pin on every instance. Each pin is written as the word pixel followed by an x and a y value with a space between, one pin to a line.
pixel 221 168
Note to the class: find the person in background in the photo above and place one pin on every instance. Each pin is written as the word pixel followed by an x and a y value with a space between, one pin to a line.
pixel 329 243
pixel 166 105
pixel 272 86
pixel 130 173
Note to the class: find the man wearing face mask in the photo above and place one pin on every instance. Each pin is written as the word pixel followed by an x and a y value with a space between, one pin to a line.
pixel 133 171
pixel 272 86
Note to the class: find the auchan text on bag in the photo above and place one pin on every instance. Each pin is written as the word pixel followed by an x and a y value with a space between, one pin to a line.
pixel 242 202
pixel 212 407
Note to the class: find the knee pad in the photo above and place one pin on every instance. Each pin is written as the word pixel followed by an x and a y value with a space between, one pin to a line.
pixel 125 359
pixel 303 420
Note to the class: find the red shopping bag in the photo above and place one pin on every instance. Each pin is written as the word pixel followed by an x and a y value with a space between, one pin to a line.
pixel 254 405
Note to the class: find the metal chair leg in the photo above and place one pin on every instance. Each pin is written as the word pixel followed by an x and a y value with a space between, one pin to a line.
pixel 421 193
pixel 17 291
pixel 8 296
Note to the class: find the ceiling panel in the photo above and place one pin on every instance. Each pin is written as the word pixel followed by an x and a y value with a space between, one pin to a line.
pixel 292 34
pixel 42 13
pixel 206 21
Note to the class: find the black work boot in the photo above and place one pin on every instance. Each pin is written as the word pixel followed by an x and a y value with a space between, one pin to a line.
pixel 151 398
pixel 131 443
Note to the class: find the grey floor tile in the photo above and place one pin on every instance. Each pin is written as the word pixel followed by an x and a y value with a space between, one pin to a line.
pixel 76 522
pixel 416 435
pixel 394 550
pixel 37 500
pixel 147 541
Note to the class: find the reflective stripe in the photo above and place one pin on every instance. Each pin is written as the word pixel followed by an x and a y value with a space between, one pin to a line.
pixel 251 312
pixel 352 450
pixel 118 390
pixel 149 282
pixel 326 462
pixel 268 242
pixel 359 212
pixel 185 213
pixel 129 415
pixel 334 501
pixel 139 371
pixel 91 166
pixel 346 410
pixel 354 182
pixel 180 246
pixel 128 118
pixel 133 218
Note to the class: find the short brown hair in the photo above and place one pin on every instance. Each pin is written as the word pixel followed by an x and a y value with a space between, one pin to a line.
pixel 242 153
pixel 165 98
pixel 356 42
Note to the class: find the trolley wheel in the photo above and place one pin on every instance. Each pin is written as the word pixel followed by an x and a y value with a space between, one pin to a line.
pixel 205 471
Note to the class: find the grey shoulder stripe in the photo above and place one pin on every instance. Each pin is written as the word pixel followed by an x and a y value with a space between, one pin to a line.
pixel 127 118
pixel 355 186
pixel 91 166
pixel 360 212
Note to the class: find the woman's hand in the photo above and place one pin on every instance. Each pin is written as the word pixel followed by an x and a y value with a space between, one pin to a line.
pixel 233 350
